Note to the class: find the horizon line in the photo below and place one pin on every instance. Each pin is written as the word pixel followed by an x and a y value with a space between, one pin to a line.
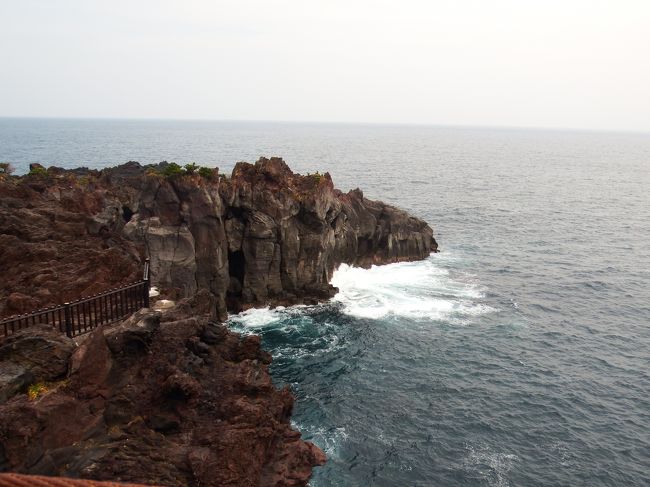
pixel 328 122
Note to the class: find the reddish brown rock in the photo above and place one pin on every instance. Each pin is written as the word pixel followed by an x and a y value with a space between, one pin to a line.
pixel 18 480
pixel 179 400
pixel 185 402
pixel 263 236
pixel 21 303
pixel 49 255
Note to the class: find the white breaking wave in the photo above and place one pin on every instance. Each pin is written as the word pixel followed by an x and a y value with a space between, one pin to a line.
pixel 417 290
pixel 328 439
pixel 490 465
pixel 253 319
pixel 258 317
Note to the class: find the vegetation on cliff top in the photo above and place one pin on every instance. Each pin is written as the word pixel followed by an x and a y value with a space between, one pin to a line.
pixel 172 169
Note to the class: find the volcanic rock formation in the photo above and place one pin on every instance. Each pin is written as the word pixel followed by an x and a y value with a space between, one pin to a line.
pixel 263 236
pixel 171 399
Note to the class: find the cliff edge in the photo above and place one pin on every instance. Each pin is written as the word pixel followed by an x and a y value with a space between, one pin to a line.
pixel 262 236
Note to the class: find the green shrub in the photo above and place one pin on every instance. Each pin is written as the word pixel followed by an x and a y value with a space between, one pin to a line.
pixel 37 171
pixel 207 173
pixel 35 390
pixel 191 167
pixel 172 169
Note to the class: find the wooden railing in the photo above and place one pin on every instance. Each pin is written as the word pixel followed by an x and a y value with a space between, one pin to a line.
pixel 83 315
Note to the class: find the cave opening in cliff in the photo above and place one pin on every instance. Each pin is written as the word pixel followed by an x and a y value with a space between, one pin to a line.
pixel 127 213
pixel 236 267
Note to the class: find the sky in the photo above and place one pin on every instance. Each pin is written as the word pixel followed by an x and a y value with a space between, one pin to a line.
pixel 524 63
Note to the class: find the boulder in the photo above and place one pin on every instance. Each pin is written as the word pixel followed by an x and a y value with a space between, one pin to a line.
pixel 133 334
pixel 34 355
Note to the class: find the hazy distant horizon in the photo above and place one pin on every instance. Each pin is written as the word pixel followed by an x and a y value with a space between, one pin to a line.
pixel 578 65
pixel 332 122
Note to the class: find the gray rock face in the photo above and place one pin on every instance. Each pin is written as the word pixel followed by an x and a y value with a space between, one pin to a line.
pixel 263 236
pixel 27 358
pixel 134 333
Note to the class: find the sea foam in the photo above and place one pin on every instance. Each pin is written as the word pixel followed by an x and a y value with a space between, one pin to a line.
pixel 416 290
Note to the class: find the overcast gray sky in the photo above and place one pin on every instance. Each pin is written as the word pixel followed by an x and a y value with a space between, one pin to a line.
pixel 569 63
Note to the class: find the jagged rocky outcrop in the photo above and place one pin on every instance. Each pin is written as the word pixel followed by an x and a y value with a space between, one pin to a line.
pixel 172 399
pixel 266 234
pixel 262 236
pixel 166 399
pixel 52 247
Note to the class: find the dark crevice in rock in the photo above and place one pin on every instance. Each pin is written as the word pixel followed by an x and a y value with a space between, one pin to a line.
pixel 236 271
pixel 237 266
pixel 127 213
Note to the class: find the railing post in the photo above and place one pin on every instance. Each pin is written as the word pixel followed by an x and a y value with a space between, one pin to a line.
pixel 147 282
pixel 68 322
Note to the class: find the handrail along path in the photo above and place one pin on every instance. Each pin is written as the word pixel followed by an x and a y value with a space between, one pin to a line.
pixel 85 314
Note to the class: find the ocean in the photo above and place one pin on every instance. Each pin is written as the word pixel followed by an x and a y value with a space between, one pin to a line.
pixel 517 356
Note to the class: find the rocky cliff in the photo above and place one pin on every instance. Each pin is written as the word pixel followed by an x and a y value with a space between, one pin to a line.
pixel 262 236
pixel 169 399
pixel 51 249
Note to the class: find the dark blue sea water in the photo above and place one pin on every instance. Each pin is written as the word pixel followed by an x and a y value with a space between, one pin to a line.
pixel 519 355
